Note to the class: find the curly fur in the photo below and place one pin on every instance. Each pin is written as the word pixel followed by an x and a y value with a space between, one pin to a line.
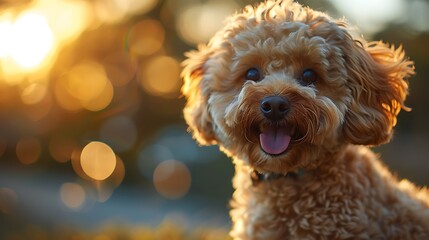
pixel 346 192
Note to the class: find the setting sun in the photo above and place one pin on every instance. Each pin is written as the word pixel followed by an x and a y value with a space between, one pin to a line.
pixel 29 40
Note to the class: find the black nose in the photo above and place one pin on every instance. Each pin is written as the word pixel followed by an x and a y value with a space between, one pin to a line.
pixel 275 107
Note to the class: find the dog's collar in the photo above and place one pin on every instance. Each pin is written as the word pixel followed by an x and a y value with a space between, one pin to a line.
pixel 258 177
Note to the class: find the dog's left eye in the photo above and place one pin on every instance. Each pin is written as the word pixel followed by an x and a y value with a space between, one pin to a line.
pixel 308 77
pixel 253 74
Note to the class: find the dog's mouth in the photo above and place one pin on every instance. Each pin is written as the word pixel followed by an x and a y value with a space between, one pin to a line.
pixel 274 140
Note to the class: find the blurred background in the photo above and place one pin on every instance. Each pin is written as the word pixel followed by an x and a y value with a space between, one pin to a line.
pixel 93 144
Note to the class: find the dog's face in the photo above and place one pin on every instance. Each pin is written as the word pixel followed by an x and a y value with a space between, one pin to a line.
pixel 281 86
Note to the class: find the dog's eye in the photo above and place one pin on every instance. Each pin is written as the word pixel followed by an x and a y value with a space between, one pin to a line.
pixel 253 74
pixel 308 77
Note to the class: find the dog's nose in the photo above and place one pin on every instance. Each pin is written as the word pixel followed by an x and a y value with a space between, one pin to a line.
pixel 275 107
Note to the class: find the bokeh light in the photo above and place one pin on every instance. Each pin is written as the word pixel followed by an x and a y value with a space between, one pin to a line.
pixel 76 164
pixel 113 11
pixel 84 86
pixel 172 179
pixel 39 101
pixel 76 71
pixel 33 93
pixel 28 150
pixel 150 156
pixel 146 37
pixel 61 149
pixel 104 189
pixel 98 160
pixel 31 39
pixel 118 174
pixel 120 69
pixel 5 41
pixel 160 77
pixel 198 22
pixel 137 6
pixel 72 195
pixel 68 19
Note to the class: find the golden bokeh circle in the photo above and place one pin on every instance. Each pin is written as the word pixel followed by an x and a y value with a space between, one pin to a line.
pixel 28 150
pixel 146 37
pixel 98 160
pixel 160 77
pixel 73 195
pixel 172 179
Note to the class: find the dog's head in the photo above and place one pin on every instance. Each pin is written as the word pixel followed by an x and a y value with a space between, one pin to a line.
pixel 281 85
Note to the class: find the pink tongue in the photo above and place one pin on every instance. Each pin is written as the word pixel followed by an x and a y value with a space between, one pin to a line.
pixel 274 140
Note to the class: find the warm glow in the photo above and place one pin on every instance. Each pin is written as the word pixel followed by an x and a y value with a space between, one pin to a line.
pixel 28 150
pixel 40 108
pixel 76 164
pixel 119 174
pixel 85 86
pixel 161 77
pixel 146 37
pixel 5 40
pixel 371 16
pixel 31 39
pixel 113 11
pixel 198 23
pixel 73 195
pixel 172 179
pixel 98 160
pixel 120 68
pixel 33 93
pixel 136 6
pixel 61 149
pixel 68 19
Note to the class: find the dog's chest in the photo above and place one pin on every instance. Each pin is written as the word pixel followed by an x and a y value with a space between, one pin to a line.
pixel 296 209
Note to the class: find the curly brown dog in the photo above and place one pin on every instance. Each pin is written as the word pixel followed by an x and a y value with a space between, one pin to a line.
pixel 293 96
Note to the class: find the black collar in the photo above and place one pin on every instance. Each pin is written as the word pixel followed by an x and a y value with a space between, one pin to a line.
pixel 258 177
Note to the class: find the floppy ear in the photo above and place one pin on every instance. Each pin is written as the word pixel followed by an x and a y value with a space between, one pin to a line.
pixel 196 91
pixel 378 76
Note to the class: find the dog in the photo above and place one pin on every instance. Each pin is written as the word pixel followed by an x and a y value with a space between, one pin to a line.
pixel 296 98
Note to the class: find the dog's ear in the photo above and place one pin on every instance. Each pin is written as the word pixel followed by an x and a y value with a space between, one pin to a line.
pixel 196 91
pixel 378 76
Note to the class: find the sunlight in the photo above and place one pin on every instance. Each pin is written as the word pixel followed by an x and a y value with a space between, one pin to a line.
pixel 31 39
pixel 5 42
pixel 67 19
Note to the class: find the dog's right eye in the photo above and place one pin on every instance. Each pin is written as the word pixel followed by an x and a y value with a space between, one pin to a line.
pixel 253 74
pixel 308 77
